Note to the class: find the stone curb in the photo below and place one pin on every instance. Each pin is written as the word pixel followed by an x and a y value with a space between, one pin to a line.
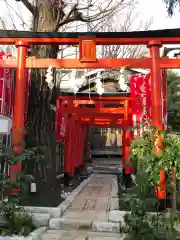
pixel 99 226
pixel 114 199
pixel 57 212
pixel 116 216
pixel 114 191
pixel 35 235
pixel 61 223
pixel 95 226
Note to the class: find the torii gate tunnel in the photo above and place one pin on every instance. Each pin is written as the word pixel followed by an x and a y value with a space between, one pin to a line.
pixel 100 111
pixel 87 44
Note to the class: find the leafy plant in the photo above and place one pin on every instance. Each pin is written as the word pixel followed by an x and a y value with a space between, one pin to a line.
pixel 143 151
pixel 173 100
pixel 17 221
pixel 144 221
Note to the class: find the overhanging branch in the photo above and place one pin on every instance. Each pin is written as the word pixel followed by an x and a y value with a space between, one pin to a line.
pixel 75 14
pixel 66 18
pixel 29 6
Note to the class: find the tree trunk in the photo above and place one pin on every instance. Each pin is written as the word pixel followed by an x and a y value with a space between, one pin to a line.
pixel 41 119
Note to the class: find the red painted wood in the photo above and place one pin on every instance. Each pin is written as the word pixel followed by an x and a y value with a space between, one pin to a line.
pixel 19 108
pixel 87 49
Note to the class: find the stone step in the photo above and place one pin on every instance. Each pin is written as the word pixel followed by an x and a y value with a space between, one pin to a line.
pixel 110 168
pixel 41 219
pixel 107 162
pixel 79 235
pixel 99 171
pixel 102 168
pixel 68 224
pixel 84 224
pixel 111 227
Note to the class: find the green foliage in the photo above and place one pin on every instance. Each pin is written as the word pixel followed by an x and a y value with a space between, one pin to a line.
pixel 173 100
pixel 16 219
pixel 143 221
pixel 142 150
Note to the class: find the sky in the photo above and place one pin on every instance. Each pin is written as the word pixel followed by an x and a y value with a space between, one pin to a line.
pixel 157 10
pixel 146 8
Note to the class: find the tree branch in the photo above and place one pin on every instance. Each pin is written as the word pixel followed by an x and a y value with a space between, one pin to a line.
pixel 67 18
pixel 74 14
pixel 29 6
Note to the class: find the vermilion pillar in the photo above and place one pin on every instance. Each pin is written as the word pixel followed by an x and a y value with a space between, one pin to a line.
pixel 85 143
pixel 126 139
pixel 82 145
pixel 68 149
pixel 19 105
pixel 72 141
pixel 156 85
pixel 79 144
pixel 157 106
pixel 76 146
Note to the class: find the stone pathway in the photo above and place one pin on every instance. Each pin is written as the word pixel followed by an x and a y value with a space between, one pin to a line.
pixel 93 201
pixel 88 212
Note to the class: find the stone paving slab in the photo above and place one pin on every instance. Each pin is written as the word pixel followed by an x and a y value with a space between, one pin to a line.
pixel 87 218
pixel 94 197
pixel 89 215
pixel 89 205
pixel 104 238
pixel 85 235
pixel 99 226
pixel 70 224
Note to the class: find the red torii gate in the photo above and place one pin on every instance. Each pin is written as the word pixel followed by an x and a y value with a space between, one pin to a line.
pixel 87 43
pixel 100 111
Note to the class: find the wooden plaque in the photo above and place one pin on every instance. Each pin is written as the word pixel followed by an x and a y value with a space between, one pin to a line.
pixel 87 50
